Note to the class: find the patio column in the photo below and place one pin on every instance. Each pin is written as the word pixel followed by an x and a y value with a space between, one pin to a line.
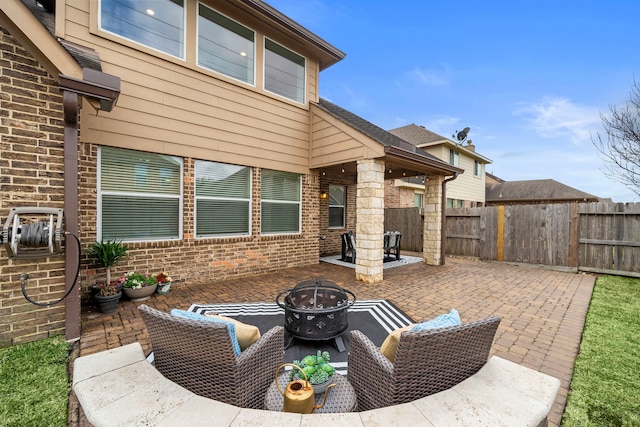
pixel 432 232
pixel 370 220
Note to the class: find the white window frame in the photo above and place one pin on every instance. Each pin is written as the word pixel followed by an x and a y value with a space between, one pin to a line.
pixel 205 67
pixel 477 168
pixel 184 32
pixel 200 163
pixel 343 206
pixel 299 203
pixel 100 193
pixel 454 157
pixel 264 72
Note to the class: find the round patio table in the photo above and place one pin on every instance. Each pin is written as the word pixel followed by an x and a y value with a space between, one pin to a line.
pixel 341 398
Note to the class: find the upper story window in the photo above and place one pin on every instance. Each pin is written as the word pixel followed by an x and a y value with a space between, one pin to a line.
pixel 139 195
pixel 417 200
pixel 223 199
pixel 454 158
pixel 225 46
pixel 158 24
pixel 284 72
pixel 477 168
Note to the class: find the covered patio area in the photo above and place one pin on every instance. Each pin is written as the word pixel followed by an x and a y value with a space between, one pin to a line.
pixel 542 311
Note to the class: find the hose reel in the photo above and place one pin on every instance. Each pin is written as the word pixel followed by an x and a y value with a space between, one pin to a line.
pixel 25 236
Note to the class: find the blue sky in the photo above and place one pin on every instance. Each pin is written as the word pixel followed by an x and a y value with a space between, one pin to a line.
pixel 529 78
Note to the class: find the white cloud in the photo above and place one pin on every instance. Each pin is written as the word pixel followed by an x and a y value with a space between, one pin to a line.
pixel 560 118
pixel 442 125
pixel 425 77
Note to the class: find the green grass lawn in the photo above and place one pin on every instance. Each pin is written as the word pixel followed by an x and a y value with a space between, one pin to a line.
pixel 34 387
pixel 605 387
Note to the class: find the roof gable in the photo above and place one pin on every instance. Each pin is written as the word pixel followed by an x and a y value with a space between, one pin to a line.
pixel 372 131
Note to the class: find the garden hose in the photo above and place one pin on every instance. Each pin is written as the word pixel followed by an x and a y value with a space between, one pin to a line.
pixel 25 276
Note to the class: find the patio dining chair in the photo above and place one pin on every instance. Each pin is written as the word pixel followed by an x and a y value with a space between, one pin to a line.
pixel 392 244
pixel 348 247
pixel 426 362
pixel 199 356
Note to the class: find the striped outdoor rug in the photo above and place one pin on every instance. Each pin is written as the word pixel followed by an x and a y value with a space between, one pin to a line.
pixel 375 318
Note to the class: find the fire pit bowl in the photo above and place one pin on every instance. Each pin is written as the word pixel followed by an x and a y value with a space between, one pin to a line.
pixel 316 309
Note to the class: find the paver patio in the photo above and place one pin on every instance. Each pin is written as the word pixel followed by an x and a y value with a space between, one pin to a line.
pixel 543 311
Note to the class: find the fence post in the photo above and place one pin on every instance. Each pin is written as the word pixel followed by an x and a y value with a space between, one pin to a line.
pixel 574 231
pixel 500 233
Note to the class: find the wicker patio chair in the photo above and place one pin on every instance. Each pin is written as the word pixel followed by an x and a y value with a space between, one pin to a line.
pixel 199 356
pixel 427 362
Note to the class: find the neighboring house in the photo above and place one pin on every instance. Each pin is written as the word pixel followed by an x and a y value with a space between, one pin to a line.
pixel 492 179
pixel 465 191
pixel 534 192
pixel 194 132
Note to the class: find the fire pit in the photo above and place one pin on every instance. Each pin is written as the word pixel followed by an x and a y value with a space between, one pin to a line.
pixel 315 310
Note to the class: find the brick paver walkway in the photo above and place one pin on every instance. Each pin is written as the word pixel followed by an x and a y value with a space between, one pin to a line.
pixel 542 310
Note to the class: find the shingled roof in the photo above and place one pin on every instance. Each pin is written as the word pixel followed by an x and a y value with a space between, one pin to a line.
pixel 417 135
pixel 534 191
pixel 43 11
pixel 372 131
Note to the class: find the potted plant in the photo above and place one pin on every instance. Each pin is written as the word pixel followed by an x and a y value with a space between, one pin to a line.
pixel 106 254
pixel 107 298
pixel 164 283
pixel 139 287
pixel 317 369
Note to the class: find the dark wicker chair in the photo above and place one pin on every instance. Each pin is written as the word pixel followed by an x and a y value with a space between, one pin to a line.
pixel 427 362
pixel 199 356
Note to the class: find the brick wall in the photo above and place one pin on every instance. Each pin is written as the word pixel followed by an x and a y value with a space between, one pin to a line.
pixel 331 243
pixel 31 174
pixel 397 197
pixel 194 261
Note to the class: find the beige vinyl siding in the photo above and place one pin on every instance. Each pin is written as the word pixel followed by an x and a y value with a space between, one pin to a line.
pixel 466 186
pixel 174 108
pixel 335 142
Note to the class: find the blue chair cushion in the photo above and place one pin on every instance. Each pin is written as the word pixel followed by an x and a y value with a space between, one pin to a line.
pixel 444 320
pixel 231 327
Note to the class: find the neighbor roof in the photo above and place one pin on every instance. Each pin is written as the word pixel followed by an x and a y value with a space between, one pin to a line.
pixel 417 135
pixel 535 190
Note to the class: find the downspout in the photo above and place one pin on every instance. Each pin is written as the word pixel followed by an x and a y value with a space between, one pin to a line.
pixel 443 221
pixel 101 90
pixel 72 303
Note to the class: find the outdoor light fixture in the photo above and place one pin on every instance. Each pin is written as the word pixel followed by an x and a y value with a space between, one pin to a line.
pixel 324 195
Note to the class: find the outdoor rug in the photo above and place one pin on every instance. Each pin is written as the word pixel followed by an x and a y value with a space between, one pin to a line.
pixel 388 262
pixel 375 318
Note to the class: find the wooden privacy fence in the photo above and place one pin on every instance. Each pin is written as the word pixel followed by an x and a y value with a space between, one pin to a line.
pixel 599 237
pixel 407 221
